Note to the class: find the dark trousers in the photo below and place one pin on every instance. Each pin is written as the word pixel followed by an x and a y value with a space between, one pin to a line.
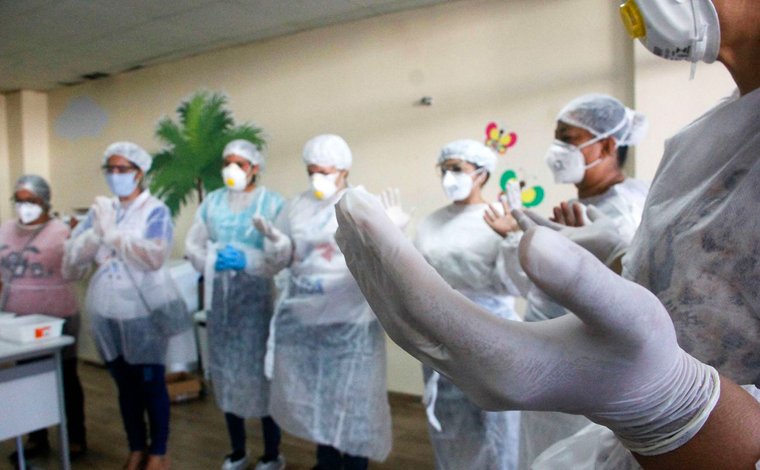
pixel 236 429
pixel 330 458
pixel 142 389
pixel 74 401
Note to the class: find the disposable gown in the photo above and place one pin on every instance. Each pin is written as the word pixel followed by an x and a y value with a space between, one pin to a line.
pixel 463 249
pixel 327 347
pixel 133 305
pixel 624 203
pixel 241 302
pixel 698 243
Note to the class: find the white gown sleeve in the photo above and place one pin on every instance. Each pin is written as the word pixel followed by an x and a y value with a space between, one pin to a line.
pixel 80 249
pixel 195 243
pixel 278 255
pixel 508 266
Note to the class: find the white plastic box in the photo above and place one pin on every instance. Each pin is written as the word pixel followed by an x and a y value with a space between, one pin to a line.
pixel 30 328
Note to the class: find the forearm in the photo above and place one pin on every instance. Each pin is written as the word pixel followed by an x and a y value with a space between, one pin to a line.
pixel 729 440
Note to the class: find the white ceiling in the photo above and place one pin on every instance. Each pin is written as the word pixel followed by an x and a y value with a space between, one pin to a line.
pixel 48 43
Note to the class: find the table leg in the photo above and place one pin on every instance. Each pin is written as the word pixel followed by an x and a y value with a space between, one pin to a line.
pixel 63 434
pixel 20 452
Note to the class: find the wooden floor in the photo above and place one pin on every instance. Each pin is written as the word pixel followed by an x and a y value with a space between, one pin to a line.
pixel 199 438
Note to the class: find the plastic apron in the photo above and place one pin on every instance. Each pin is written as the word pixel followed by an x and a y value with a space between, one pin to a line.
pixel 134 312
pixel 241 307
pixel 463 435
pixel 329 365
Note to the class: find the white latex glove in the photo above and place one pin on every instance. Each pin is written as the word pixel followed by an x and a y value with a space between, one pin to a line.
pixel 104 216
pixel 513 195
pixel 391 200
pixel 267 229
pixel 601 236
pixel 617 362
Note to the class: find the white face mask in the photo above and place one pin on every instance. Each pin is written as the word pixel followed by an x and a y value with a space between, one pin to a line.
pixel 675 29
pixel 567 162
pixel 324 185
pixel 28 212
pixel 234 177
pixel 458 185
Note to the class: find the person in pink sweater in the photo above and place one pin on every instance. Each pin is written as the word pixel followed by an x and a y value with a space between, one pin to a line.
pixel 33 282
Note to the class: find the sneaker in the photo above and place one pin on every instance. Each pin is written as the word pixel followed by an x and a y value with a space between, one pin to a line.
pixel 276 464
pixel 240 464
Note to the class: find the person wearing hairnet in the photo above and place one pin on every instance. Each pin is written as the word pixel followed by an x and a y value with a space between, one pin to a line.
pixel 223 243
pixel 326 354
pixel 696 248
pixel 652 341
pixel 133 306
pixel 592 138
pixel 34 282
pixel 458 243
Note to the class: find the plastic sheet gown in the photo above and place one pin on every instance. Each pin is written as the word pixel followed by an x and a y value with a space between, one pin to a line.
pixel 241 302
pixel 133 305
pixel 697 250
pixel 329 365
pixel 624 203
pixel 463 249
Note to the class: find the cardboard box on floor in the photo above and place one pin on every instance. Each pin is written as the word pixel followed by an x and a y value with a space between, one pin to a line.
pixel 183 386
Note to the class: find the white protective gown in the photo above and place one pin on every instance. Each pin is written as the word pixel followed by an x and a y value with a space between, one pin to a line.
pixel 328 365
pixel 697 249
pixel 240 303
pixel 623 203
pixel 132 303
pixel 469 255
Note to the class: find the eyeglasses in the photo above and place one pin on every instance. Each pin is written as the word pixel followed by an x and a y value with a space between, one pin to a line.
pixel 121 169
pixel 458 167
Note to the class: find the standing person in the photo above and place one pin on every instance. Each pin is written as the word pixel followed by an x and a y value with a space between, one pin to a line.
pixel 593 135
pixel 223 244
pixel 34 282
pixel 133 305
pixel 458 243
pixel 328 349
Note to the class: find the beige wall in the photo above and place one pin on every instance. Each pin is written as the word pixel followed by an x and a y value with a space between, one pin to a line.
pixel 5 190
pixel 511 61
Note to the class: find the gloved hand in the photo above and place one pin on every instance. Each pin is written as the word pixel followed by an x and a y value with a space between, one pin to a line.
pixel 615 361
pixel 600 237
pixel 104 216
pixel 230 259
pixel 502 223
pixel 391 201
pixel 267 229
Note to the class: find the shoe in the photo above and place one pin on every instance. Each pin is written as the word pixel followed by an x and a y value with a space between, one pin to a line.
pixel 240 464
pixel 77 450
pixel 276 464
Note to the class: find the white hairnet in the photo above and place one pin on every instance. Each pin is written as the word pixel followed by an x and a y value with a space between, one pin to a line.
pixel 132 152
pixel 470 151
pixel 246 149
pixel 35 185
pixel 327 150
pixel 605 116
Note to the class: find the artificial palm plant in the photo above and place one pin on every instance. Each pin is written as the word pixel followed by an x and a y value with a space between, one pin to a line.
pixel 190 163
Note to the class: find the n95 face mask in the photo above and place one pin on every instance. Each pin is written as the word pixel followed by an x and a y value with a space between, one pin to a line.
pixel 28 212
pixel 234 177
pixel 458 185
pixel 674 29
pixel 567 163
pixel 324 185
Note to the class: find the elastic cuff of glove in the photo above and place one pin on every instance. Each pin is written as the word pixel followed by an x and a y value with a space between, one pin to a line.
pixel 513 238
pixel 688 431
